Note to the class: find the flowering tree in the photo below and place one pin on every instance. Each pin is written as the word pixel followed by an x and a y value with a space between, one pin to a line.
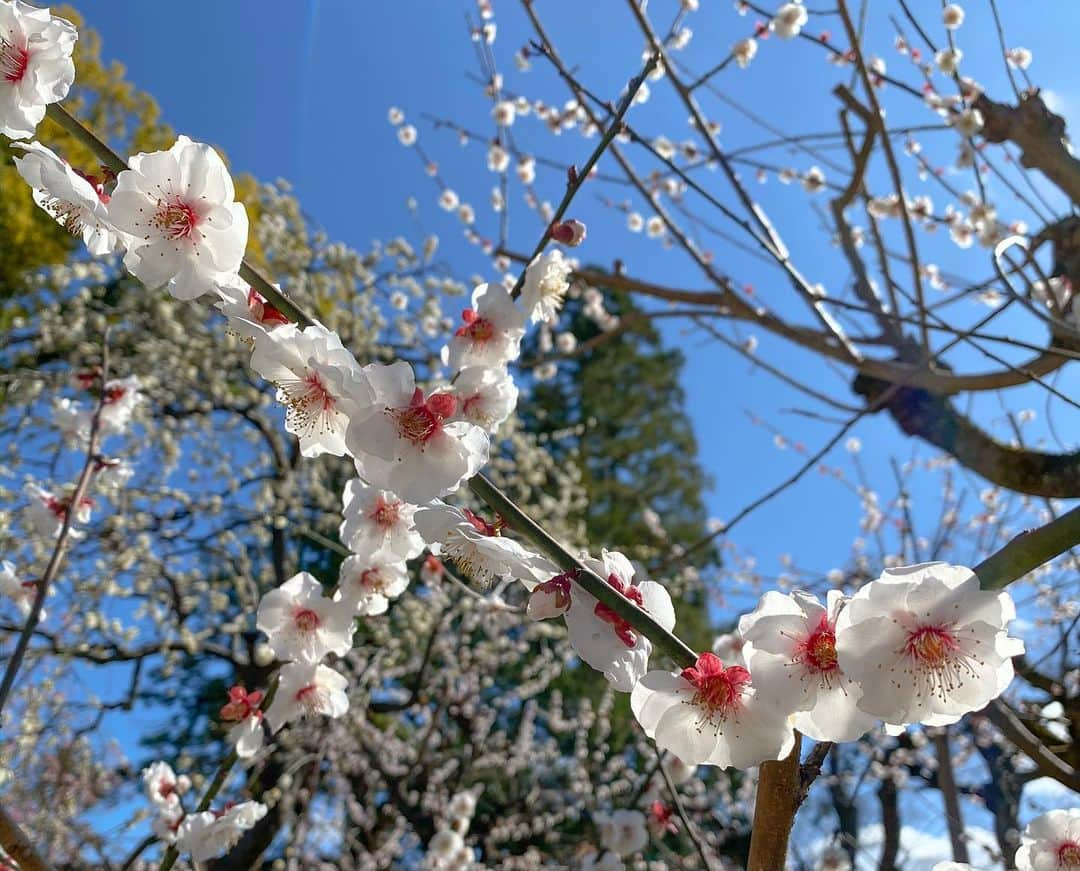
pixel 404 603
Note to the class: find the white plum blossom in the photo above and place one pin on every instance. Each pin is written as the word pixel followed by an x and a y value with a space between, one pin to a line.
pixel 247 737
pixel 790 650
pixel 250 314
pixel 926 644
pixel 622 832
pixel 163 787
pixel 367 582
pixel 71 419
pixel 604 640
pixel 550 599
pixel 1051 842
pixel 952 16
pixel 35 65
pixel 1018 58
pixel 21 593
pixel 118 403
pixel 948 60
pixel 491 332
pixel 447 850
pixel 183 225
pixel 47 511
pixel 376 520
pixel 477 547
pixel 498 158
pixel 504 113
pixel 76 202
pixel 709 714
pixel 729 647
pixel 302 624
pixel 968 123
pixel 409 445
pixel 486 396
pixel 790 19
pixel 307 689
pixel 318 381
pixel 547 279
pixel 814 180
pixel 208 834
pixel 744 51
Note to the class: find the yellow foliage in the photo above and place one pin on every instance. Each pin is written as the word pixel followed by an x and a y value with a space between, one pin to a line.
pixel 119 113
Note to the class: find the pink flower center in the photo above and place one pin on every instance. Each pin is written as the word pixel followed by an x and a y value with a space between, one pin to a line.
pixel 482 526
pixel 311 407
pixel 718 690
pixel 476 328
pixel 14 61
pixel 622 628
pixel 263 311
pixel 241 705
pixel 372 579
pixel 937 660
pixel 931 646
pixel 174 219
pixel 385 514
pixel 311 698
pixel 114 394
pixel 817 651
pixel 166 788
pixel 422 420
pixel 1068 855
pixel 306 620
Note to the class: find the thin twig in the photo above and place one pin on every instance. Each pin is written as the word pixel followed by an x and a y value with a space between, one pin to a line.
pixel 62 539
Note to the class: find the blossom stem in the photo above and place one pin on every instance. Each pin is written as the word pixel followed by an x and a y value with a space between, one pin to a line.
pixel 480 485
pixel 688 826
pixel 577 178
pixel 592 583
pixel 222 774
pixel 1029 550
pixel 117 164
pixel 62 539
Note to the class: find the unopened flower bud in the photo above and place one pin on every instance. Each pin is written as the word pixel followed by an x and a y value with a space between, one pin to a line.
pixel 568 233
pixel 550 599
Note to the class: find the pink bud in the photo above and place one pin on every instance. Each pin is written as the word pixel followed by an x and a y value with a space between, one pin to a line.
pixel 569 233
pixel 550 599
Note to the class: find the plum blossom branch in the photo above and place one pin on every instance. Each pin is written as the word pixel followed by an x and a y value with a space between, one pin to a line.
pixel 62 539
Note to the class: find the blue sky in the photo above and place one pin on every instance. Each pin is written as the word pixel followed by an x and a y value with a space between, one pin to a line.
pixel 300 90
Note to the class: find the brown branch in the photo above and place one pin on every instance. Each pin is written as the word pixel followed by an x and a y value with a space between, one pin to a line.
pixel 1048 763
pixel 19 847
pixel 1039 133
pixel 774 811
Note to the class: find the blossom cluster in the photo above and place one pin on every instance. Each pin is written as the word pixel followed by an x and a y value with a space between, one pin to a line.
pixel 921 644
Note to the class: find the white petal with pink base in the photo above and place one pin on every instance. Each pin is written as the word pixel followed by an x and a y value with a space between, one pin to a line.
pixel 491 331
pixel 318 381
pixel 1051 842
pixel 36 68
pixel 76 202
pixel 407 445
pixel 377 520
pixel 367 582
pixel 604 640
pixel 183 227
pixel 926 644
pixel 790 648
pixel 710 714
pixel 302 624
pixel 307 690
